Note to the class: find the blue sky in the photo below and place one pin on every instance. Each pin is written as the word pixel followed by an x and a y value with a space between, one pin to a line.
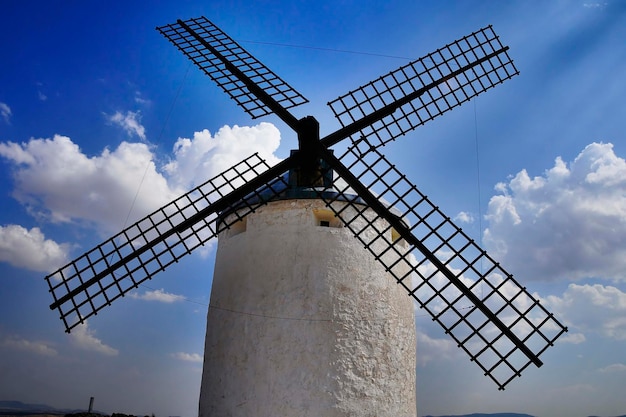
pixel 103 121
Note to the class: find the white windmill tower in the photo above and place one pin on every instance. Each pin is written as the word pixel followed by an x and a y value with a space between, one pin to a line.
pixel 309 314
pixel 320 330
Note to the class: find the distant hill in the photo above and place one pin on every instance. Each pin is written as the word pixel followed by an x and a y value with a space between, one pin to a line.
pixel 489 415
pixel 18 408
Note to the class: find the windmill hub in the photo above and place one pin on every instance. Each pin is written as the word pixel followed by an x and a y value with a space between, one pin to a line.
pixel 309 172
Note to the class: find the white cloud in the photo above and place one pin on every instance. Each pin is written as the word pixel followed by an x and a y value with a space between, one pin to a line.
pixel 429 348
pixel 5 112
pixel 204 156
pixel 85 339
pixel 130 122
pixel 568 223
pixel 30 249
pixel 464 217
pixel 594 309
pixel 158 295
pixel 140 100
pixel 573 338
pixel 38 348
pixel 595 5
pixel 59 183
pixel 188 357
pixel 616 367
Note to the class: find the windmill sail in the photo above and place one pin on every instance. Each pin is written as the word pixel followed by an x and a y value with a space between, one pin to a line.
pixel 482 307
pixel 416 93
pixel 100 276
pixel 239 74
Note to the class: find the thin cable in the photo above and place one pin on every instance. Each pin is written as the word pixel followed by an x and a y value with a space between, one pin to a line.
pixel 480 218
pixel 167 118
pixel 317 48
pixel 244 313
pixel 344 51
pixel 145 172
pixel 480 210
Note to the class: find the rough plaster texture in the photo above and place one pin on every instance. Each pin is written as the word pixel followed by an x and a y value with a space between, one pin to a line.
pixel 305 322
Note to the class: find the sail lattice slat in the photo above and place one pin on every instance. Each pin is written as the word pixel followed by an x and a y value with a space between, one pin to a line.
pixel 100 276
pixel 444 270
pixel 209 54
pixel 427 87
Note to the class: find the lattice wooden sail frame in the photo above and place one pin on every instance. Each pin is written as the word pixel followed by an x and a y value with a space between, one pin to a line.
pixel 118 265
pixel 427 87
pixel 503 329
pixel 219 56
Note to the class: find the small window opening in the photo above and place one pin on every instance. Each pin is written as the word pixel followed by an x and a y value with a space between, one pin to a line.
pixel 238 227
pixel 326 218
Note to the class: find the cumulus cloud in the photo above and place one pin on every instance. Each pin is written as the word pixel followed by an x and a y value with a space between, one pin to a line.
pixel 573 338
pixel 594 309
pixel 158 295
pixel 205 155
pixel 188 357
pixel 38 348
pixel 130 122
pixel 616 367
pixel 5 112
pixel 429 348
pixel 57 182
pixel 30 249
pixel 464 217
pixel 568 223
pixel 84 338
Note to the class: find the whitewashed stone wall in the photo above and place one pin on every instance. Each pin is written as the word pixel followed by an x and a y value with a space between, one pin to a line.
pixel 305 322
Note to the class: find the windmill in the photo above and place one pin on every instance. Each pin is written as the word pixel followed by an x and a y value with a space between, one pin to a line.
pixel 488 314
